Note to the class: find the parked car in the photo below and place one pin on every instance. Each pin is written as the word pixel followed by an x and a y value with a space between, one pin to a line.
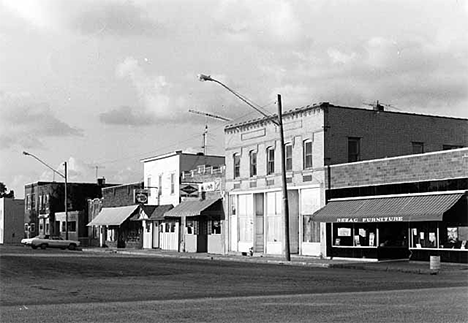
pixel 44 241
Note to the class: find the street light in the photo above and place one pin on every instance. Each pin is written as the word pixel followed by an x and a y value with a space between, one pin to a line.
pixel 279 123
pixel 64 176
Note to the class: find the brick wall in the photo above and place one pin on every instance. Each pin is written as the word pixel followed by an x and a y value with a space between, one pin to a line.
pixel 121 195
pixel 387 134
pixel 404 169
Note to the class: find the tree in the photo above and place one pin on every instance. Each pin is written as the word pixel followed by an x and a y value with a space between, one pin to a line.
pixel 3 191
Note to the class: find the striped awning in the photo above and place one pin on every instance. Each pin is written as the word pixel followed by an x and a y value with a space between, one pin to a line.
pixel 399 208
pixel 113 215
pixel 195 208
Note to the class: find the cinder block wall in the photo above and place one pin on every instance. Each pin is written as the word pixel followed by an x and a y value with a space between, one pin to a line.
pixel 413 168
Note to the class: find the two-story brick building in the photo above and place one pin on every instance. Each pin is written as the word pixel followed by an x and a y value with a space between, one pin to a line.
pixel 45 200
pixel 315 136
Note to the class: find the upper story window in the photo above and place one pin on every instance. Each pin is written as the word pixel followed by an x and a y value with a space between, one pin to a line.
pixel 236 160
pixel 288 156
pixel 148 185
pixel 160 183
pixel 449 147
pixel 307 150
pixel 418 147
pixel 253 163
pixel 172 183
pixel 270 160
pixel 354 149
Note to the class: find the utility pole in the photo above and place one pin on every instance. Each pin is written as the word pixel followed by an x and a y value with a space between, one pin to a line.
pixel 286 250
pixel 66 200
pixel 205 133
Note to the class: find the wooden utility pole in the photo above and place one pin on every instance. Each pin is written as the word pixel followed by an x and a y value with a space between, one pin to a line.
pixel 286 250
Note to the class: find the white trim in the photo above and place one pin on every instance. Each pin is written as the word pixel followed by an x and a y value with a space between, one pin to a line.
pixel 399 195
pixel 273 189
pixel 401 157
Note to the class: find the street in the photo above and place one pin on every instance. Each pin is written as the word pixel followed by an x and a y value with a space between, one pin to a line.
pixel 72 286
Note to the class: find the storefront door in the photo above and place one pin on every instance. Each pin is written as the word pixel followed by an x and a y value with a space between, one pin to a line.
pixel 169 235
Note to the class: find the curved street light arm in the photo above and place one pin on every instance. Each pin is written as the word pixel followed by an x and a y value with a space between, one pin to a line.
pixel 203 77
pixel 55 171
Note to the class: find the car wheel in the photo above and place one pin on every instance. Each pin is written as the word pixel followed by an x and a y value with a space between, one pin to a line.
pixel 43 246
pixel 72 246
pixel 33 246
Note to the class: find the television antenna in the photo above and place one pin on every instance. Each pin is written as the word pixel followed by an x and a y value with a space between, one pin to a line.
pixel 205 132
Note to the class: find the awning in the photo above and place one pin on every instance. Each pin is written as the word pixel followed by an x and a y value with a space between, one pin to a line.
pixel 400 208
pixel 195 208
pixel 113 215
pixel 151 212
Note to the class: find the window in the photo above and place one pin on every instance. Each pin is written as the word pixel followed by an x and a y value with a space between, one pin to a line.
pixel 354 149
pixel 172 183
pixel 215 227
pixel 253 163
pixel 160 185
pixel 288 156
pixel 307 150
pixel 418 147
pixel 355 235
pixel 148 185
pixel 449 147
pixel 236 159
pixel 32 227
pixel 270 161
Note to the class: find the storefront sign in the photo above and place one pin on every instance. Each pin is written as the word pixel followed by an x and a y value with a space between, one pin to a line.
pixel 367 220
pixel 141 196
pixel 188 190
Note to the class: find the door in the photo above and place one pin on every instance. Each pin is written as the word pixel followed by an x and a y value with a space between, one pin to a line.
pixel 259 219
pixel 155 234
pixel 147 234
pixel 169 235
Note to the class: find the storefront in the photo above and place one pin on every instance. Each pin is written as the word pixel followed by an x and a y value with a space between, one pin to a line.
pixel 201 221
pixel 413 226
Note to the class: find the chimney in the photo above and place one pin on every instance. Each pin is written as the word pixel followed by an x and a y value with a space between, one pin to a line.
pixel 101 181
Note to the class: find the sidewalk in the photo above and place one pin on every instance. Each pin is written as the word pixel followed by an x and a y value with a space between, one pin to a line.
pixel 418 267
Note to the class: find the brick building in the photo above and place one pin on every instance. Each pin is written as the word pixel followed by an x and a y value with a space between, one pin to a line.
pixel 110 222
pixel 315 136
pixel 396 207
pixel 43 200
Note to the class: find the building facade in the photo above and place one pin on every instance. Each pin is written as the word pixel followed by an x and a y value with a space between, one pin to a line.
pixel 409 206
pixel 44 199
pixel 110 217
pixel 316 136
pixel 11 220
pixel 163 180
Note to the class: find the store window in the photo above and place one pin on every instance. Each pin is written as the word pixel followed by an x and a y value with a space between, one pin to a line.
pixel 355 235
pixel 215 227
pixel 189 227
pixel 253 163
pixel 424 235
pixel 236 163
pixel 288 156
pixel 270 160
pixel 307 151
pixel 453 236
pixel 71 226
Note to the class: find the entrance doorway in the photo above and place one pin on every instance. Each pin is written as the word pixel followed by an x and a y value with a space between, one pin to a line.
pixel 393 241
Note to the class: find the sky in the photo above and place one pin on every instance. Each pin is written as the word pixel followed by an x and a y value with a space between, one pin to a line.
pixel 104 84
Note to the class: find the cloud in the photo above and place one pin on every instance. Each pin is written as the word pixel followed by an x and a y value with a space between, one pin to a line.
pixel 127 116
pixel 260 21
pixel 153 93
pixel 26 122
pixel 112 17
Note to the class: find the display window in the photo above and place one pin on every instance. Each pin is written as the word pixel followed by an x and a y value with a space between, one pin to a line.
pixel 439 235
pixel 355 235
pixel 424 235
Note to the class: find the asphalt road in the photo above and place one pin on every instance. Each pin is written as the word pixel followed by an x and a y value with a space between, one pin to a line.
pixel 71 286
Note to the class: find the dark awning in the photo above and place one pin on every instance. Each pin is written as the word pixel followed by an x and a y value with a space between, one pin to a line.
pixel 152 212
pixel 113 215
pixel 400 208
pixel 195 208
